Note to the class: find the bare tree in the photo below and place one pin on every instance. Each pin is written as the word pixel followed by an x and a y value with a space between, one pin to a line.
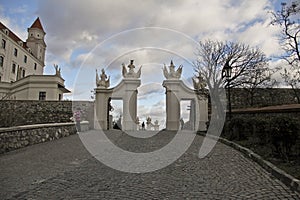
pixel 258 77
pixel 288 18
pixel 211 59
pixel 244 60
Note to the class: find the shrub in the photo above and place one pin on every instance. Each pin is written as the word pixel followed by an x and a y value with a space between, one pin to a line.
pixel 261 130
pixel 284 134
pixel 236 129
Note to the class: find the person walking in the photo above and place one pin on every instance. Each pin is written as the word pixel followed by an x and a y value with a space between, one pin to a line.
pixel 143 126
pixel 77 117
pixel 181 123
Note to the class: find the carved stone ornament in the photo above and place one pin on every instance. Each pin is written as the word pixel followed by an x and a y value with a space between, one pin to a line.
pixel 103 82
pixel 131 73
pixel 172 74
pixel 57 70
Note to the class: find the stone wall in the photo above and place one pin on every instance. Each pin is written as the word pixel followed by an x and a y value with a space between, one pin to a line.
pixel 17 137
pixel 87 108
pixel 240 98
pixel 16 112
pixel 291 111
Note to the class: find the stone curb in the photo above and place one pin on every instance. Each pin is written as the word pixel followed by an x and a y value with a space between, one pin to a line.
pixel 34 126
pixel 284 177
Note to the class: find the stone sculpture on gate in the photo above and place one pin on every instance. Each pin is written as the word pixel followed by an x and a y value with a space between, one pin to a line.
pixel 103 81
pixel 131 73
pixel 172 74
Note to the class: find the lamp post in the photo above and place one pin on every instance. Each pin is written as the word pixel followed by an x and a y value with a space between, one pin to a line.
pixel 226 73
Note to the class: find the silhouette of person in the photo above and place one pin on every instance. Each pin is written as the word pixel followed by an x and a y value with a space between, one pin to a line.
pixel 143 126
pixel 181 123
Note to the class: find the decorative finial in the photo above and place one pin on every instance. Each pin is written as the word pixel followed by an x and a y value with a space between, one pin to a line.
pixel 172 74
pixel 131 73
pixel 104 81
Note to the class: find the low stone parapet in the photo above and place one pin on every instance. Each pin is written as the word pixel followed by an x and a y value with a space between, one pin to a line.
pixel 85 126
pixel 20 136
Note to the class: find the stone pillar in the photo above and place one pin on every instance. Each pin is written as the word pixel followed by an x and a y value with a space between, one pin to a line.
pixel 192 114
pixel 203 112
pixel 130 104
pixel 173 111
pixel 101 106
pixel 110 123
pixel 172 104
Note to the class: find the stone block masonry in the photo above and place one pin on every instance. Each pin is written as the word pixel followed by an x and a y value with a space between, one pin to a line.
pixel 17 113
pixel 286 111
pixel 17 137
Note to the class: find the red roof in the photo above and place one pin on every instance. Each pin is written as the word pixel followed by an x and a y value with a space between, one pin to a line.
pixel 37 24
pixel 12 35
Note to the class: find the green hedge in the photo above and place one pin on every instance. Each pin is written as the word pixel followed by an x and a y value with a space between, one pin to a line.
pixel 280 134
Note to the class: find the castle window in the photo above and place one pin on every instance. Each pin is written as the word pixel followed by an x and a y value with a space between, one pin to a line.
pixel 15 52
pixel 13 69
pixel 34 66
pixel 6 31
pixel 3 43
pixel 23 73
pixel 38 35
pixel 42 96
pixel 1 61
pixel 25 59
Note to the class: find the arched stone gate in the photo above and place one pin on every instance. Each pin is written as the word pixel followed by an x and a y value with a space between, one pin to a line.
pixel 126 90
pixel 176 91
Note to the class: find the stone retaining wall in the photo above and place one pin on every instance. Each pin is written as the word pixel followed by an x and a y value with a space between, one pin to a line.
pixel 17 112
pixel 262 97
pixel 17 137
pixel 288 111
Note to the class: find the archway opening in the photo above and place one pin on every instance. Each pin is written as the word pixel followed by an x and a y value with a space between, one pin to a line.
pixel 115 114
pixel 187 114
pixel 151 106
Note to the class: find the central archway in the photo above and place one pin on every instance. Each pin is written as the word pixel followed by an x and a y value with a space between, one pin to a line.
pixel 126 91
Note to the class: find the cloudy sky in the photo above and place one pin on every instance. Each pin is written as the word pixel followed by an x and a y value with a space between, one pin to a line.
pixel 85 35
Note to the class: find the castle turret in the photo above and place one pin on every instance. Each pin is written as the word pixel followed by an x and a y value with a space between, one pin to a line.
pixel 35 40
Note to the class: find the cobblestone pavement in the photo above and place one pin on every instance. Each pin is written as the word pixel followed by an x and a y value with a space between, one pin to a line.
pixel 63 169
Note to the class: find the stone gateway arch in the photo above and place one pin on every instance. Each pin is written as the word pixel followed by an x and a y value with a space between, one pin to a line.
pixel 126 90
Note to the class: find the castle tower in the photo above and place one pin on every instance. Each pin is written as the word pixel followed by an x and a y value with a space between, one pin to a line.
pixel 35 40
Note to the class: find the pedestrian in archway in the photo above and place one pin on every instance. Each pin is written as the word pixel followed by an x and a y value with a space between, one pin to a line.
pixel 181 123
pixel 143 126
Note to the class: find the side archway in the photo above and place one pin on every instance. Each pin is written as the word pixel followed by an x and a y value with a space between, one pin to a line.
pixel 177 91
pixel 126 90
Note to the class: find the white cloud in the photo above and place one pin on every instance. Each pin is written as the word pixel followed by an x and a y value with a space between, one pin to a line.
pixel 74 28
pixel 12 24
pixel 85 24
pixel 19 10
pixel 150 89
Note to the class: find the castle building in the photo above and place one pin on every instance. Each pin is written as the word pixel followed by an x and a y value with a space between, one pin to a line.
pixel 22 66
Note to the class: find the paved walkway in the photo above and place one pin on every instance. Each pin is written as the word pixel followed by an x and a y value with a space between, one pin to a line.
pixel 63 169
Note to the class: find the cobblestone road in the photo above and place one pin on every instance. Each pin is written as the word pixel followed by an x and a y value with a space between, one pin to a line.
pixel 63 169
